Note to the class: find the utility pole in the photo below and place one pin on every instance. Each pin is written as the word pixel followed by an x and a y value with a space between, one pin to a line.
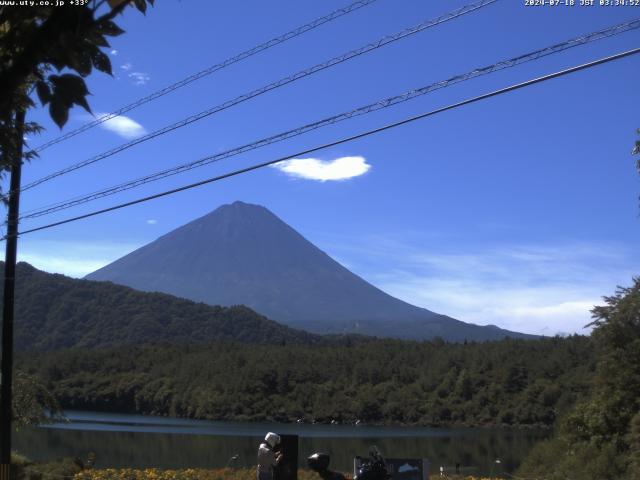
pixel 6 369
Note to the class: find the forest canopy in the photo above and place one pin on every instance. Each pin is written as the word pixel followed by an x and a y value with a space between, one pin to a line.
pixel 511 382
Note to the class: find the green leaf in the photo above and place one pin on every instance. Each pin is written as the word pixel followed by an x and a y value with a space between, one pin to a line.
pixel 30 155
pixel 59 111
pixel 82 101
pixel 107 27
pixel 101 62
pixel 44 92
pixel 57 63
pixel 97 39
pixel 141 5
pixel 32 127
pixel 69 89
pixel 80 60
pixel 69 82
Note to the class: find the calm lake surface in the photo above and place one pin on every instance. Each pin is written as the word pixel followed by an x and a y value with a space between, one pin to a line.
pixel 120 440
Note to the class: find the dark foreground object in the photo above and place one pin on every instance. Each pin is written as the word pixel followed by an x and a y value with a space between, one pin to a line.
pixel 287 469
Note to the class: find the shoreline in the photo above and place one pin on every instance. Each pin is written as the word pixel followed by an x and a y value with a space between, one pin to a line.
pixel 293 422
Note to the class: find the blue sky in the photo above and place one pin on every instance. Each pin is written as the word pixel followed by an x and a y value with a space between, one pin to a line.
pixel 520 211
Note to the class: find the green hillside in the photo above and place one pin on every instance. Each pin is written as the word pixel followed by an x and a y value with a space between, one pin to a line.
pixel 54 311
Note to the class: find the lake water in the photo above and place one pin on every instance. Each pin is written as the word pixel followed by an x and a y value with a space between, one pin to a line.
pixel 120 440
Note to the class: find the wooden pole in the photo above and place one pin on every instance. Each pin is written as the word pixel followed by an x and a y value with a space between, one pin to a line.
pixel 6 368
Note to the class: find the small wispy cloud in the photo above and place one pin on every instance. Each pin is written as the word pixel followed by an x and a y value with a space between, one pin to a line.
pixel 123 126
pixel 114 52
pixel 139 78
pixel 342 168
pixel 152 221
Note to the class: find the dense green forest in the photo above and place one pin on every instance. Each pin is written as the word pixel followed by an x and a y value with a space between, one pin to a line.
pixel 599 439
pixel 54 311
pixel 512 382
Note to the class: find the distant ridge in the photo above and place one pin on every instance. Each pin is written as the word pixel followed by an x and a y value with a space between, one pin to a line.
pixel 243 254
pixel 54 312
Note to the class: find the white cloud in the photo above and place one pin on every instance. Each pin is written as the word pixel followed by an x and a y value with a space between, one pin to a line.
pixel 342 168
pixel 152 221
pixel 114 52
pixel 529 307
pixel 528 288
pixel 139 78
pixel 123 126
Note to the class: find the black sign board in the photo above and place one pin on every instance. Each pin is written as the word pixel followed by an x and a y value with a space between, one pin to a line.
pixel 287 468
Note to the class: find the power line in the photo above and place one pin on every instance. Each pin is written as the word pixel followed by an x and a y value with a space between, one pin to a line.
pixel 272 86
pixel 478 98
pixel 212 69
pixel 379 105
pixel 616 29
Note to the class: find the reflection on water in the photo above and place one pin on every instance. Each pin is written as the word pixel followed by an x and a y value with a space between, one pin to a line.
pixel 140 441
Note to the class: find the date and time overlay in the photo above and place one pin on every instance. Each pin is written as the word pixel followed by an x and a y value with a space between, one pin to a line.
pixel 526 3
pixel 582 3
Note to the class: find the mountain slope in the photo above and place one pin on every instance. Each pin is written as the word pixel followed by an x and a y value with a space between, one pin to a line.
pixel 244 254
pixel 53 312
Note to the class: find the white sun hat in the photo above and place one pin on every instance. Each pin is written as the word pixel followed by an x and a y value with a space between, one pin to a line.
pixel 272 439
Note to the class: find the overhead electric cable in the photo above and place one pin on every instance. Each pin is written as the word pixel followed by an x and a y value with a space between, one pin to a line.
pixel 379 105
pixel 478 98
pixel 212 69
pixel 272 86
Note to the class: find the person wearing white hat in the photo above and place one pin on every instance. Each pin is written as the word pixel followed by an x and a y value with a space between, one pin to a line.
pixel 268 458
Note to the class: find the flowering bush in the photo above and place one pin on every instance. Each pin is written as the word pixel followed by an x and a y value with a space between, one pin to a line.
pixel 184 474
pixel 201 474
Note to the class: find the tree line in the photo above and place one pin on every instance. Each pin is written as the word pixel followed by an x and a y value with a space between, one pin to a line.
pixel 432 383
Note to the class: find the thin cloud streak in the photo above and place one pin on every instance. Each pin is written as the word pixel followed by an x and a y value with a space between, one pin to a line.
pixel 528 308
pixel 528 288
